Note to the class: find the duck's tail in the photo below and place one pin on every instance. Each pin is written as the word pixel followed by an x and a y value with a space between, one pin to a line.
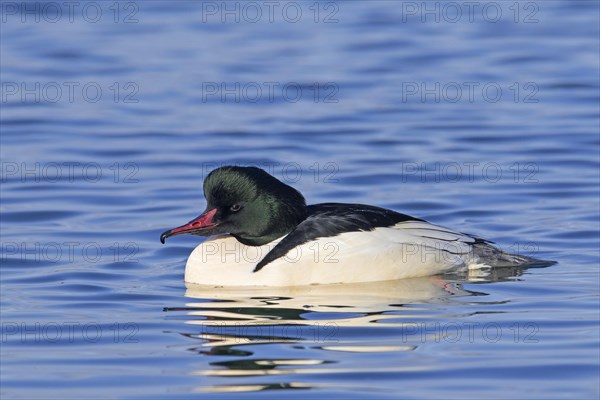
pixel 486 254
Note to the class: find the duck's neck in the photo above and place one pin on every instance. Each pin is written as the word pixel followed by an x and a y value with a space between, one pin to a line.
pixel 258 241
pixel 282 221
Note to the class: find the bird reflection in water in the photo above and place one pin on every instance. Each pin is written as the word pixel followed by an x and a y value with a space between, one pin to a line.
pixel 318 323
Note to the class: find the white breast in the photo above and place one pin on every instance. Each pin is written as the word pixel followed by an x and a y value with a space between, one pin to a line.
pixel 406 250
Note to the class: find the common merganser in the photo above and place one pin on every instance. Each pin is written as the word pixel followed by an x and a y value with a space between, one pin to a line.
pixel 266 235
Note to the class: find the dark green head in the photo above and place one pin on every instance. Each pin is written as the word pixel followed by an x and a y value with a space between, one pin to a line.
pixel 249 204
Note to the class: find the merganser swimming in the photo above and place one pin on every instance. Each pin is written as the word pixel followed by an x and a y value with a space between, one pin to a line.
pixel 268 236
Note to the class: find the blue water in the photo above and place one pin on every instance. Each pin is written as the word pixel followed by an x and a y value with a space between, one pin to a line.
pixel 483 122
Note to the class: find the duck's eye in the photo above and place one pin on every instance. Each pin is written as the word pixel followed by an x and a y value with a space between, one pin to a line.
pixel 235 208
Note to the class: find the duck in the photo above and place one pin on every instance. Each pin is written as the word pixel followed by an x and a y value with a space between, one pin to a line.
pixel 261 232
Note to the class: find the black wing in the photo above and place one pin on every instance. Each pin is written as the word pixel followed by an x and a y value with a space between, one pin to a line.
pixel 331 219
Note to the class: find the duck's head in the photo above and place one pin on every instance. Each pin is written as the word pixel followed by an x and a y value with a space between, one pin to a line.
pixel 247 203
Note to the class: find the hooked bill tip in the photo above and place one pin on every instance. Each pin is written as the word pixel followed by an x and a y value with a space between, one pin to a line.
pixel 163 237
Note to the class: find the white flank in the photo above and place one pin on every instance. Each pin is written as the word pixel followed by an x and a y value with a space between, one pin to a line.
pixel 406 250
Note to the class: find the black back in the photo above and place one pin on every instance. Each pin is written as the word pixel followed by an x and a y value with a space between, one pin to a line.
pixel 332 219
